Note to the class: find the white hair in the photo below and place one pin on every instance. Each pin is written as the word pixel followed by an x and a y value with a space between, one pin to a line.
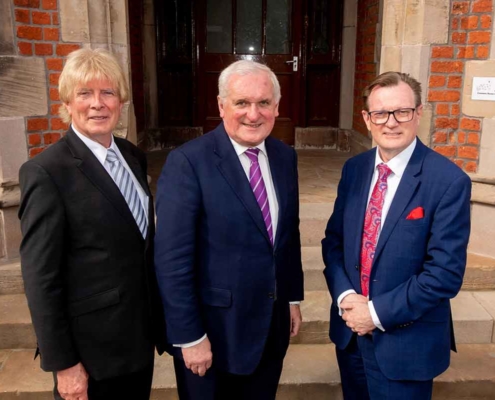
pixel 245 67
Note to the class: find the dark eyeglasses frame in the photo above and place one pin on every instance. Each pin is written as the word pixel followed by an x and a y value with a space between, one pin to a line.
pixel 370 114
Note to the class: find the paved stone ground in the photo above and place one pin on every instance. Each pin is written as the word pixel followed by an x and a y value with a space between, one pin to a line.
pixel 319 173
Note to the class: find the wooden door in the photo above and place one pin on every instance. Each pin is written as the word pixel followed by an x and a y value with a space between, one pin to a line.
pixel 267 31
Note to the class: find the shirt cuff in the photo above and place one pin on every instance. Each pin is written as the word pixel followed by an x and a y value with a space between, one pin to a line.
pixel 191 344
pixel 374 316
pixel 341 297
pixel 294 303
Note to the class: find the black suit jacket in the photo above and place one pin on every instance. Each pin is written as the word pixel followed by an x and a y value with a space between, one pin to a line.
pixel 87 270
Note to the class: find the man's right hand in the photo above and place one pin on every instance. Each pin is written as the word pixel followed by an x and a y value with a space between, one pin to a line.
pixel 198 358
pixel 352 298
pixel 73 383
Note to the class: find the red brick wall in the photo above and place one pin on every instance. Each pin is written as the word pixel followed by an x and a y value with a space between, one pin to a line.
pixel 38 34
pixel 366 67
pixel 455 135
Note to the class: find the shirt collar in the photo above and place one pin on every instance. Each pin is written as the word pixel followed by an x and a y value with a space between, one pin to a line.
pixel 240 149
pixel 399 163
pixel 96 148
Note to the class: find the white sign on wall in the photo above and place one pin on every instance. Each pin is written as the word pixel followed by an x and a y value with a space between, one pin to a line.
pixel 483 89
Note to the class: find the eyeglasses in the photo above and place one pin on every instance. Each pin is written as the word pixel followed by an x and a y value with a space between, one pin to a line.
pixel 400 115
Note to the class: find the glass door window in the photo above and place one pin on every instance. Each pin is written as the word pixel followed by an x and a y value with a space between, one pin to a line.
pixel 255 27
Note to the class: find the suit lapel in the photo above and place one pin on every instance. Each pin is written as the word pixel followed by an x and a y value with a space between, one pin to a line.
pixel 96 173
pixel 280 183
pixel 231 169
pixel 359 202
pixel 407 187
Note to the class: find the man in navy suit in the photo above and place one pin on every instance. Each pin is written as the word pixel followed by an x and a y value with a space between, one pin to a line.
pixel 395 252
pixel 227 253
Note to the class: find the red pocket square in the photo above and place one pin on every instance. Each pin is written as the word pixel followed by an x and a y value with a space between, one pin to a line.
pixel 417 213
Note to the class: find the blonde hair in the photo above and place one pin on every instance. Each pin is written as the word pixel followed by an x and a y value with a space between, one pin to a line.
pixel 85 65
pixel 246 67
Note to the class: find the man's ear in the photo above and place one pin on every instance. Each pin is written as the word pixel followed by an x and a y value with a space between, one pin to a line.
pixel 220 107
pixel 366 118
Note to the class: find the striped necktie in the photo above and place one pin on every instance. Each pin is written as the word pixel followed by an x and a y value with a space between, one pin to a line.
pixel 123 180
pixel 259 190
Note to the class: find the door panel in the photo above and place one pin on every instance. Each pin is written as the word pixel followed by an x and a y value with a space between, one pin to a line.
pixel 322 97
pixel 263 31
pixel 197 39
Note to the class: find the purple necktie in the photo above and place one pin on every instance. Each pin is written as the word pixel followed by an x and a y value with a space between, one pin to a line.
pixel 259 190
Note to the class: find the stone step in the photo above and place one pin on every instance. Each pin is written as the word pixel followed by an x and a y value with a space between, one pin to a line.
pixel 480 271
pixel 313 221
pixel 310 372
pixel 10 278
pixel 473 314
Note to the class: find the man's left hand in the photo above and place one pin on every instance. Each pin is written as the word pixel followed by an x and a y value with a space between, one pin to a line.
pixel 357 317
pixel 295 319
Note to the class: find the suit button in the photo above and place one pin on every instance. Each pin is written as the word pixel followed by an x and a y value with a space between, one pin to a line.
pixel 357 267
pixel 271 295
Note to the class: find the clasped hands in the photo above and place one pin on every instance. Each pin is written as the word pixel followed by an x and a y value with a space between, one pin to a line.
pixel 356 314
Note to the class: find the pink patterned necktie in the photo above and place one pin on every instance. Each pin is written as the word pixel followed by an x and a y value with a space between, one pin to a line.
pixel 259 189
pixel 372 226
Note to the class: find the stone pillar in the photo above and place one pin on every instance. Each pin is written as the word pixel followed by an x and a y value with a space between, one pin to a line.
pixel 23 93
pixel 483 209
pixel 13 152
pixel 97 24
pixel 407 34
pixel 348 64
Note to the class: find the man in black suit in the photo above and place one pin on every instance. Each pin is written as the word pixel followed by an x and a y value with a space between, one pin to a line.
pixel 87 221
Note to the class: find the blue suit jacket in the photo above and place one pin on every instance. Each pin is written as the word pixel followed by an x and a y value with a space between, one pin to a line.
pixel 217 270
pixel 418 266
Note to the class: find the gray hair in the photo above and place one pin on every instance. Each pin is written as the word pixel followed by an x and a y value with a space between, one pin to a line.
pixel 245 67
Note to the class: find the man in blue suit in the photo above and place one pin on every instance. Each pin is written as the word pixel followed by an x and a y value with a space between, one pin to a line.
pixel 395 252
pixel 228 255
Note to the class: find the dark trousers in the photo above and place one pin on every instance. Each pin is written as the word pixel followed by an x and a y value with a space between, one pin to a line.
pixel 262 384
pixel 135 386
pixel 362 378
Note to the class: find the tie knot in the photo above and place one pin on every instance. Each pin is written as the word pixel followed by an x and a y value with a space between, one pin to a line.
pixel 383 172
pixel 112 156
pixel 253 154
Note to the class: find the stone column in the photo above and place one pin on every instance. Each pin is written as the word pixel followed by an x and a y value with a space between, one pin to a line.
pixel 23 93
pixel 407 34
pixel 13 152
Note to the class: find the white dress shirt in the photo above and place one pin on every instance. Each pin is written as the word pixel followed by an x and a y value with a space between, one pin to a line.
pixel 267 177
pixel 398 165
pixel 100 153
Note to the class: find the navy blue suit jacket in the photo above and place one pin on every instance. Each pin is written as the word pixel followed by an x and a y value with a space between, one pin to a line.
pixel 418 265
pixel 217 270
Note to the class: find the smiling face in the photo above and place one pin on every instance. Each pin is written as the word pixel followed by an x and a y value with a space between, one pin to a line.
pixel 249 110
pixel 95 110
pixel 392 137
